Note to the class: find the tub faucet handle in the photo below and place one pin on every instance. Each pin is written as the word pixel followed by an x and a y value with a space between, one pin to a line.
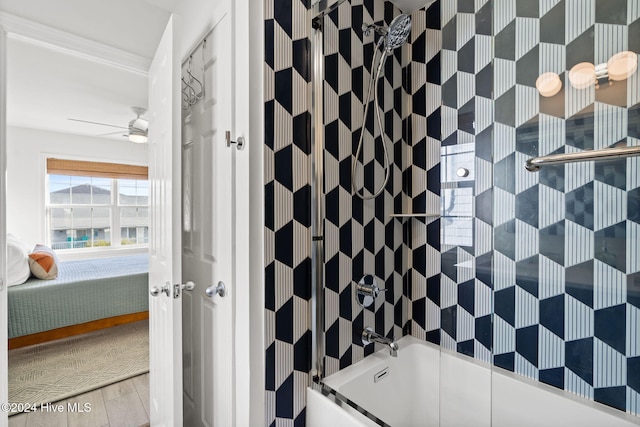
pixel 368 290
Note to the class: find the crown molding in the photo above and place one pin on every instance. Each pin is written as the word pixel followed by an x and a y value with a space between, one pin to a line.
pixel 27 31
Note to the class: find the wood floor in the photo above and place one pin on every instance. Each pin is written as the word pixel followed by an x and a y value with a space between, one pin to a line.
pixel 123 404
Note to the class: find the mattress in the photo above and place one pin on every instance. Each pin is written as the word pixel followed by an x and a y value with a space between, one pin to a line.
pixel 84 291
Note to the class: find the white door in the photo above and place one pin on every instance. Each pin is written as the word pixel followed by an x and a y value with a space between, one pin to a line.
pixel 165 321
pixel 208 229
pixel 4 393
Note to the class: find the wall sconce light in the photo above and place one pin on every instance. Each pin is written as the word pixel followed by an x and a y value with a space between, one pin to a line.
pixel 582 75
pixel 620 66
pixel 548 84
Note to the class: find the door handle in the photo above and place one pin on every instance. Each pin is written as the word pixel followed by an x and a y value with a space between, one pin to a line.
pixel 189 286
pixel 239 142
pixel 177 288
pixel 219 289
pixel 157 290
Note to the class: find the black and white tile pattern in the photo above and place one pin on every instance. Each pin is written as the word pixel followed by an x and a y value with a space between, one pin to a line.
pixel 360 236
pixel 467 126
pixel 422 180
pixel 547 284
pixel 557 259
pixel 563 247
pixel 287 212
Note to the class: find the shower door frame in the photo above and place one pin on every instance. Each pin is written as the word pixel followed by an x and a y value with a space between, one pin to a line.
pixel 316 100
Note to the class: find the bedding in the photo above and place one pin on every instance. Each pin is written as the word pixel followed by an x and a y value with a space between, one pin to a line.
pixel 17 261
pixel 84 291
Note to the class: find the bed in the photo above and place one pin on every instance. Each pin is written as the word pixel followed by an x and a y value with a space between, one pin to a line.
pixel 87 295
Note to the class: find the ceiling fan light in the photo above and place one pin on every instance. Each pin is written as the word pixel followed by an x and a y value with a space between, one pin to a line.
pixel 138 137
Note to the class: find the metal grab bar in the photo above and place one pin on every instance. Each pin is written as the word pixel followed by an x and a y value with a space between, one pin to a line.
pixel 534 164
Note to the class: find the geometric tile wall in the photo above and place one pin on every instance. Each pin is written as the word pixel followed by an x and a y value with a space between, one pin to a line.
pixel 465 294
pixel 422 177
pixel 557 260
pixel 566 239
pixel 360 236
pixel 287 183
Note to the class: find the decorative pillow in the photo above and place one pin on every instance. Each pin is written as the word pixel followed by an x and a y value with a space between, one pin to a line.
pixel 17 261
pixel 43 263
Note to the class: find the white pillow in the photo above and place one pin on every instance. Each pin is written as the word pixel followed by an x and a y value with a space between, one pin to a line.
pixel 17 261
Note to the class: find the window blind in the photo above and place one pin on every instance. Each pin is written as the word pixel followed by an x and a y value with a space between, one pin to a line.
pixel 96 169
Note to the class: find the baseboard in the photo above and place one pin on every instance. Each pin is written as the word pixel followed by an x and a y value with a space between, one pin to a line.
pixel 69 331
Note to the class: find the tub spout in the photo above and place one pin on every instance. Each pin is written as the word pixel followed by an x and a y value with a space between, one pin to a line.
pixel 370 336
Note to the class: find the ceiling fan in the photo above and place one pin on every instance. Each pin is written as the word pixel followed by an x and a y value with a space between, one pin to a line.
pixel 137 129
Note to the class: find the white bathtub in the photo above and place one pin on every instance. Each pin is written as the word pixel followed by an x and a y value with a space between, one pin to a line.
pixel 426 387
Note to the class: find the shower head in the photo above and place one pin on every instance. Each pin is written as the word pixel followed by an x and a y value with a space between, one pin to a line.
pixel 398 32
pixel 395 35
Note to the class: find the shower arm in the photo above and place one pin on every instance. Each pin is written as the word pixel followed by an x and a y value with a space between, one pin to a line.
pixel 379 29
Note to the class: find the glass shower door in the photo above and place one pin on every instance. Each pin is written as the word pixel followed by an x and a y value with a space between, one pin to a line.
pixel 566 238
pixel 466 287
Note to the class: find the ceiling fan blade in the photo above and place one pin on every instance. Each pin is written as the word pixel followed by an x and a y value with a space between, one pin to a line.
pixel 96 123
pixel 111 133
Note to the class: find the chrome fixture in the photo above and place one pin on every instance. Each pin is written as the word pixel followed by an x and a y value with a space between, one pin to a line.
pixel 157 290
pixel 534 164
pixel 192 87
pixel 395 35
pixel 370 336
pixel 239 142
pixel 367 290
pixel 390 38
pixel 177 289
pixel 219 289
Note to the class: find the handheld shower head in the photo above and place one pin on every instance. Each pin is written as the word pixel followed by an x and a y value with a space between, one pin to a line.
pixel 390 38
pixel 398 32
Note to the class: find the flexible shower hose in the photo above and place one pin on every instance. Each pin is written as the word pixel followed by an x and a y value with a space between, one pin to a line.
pixel 373 83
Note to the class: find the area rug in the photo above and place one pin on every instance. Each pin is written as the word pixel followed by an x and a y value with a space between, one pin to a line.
pixel 64 368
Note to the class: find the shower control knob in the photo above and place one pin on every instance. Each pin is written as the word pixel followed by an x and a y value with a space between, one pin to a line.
pixel 367 290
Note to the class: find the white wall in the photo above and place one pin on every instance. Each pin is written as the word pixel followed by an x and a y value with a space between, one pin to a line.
pixel 197 18
pixel 255 53
pixel 27 150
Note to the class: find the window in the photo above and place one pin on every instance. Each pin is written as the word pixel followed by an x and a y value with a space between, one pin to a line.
pixel 88 200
